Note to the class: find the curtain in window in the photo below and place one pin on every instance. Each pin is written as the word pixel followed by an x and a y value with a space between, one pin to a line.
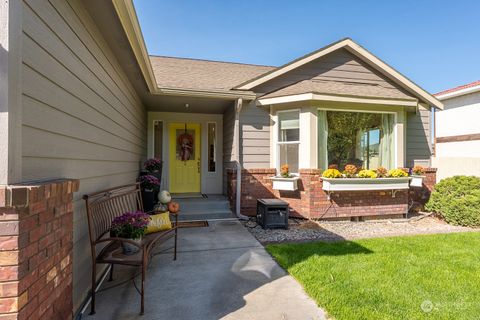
pixel 386 142
pixel 322 140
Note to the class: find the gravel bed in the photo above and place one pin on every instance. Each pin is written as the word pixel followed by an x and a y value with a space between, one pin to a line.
pixel 306 230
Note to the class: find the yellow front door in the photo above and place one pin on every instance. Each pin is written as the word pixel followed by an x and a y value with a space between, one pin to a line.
pixel 184 156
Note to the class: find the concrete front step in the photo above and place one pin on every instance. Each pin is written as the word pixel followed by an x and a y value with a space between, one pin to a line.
pixel 213 207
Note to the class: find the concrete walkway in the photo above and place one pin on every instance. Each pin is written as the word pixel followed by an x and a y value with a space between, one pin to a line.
pixel 222 272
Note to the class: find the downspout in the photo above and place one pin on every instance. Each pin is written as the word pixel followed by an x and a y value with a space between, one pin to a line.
pixel 238 196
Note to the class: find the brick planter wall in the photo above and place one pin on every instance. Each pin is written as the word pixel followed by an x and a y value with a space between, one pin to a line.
pixel 310 201
pixel 421 195
pixel 36 233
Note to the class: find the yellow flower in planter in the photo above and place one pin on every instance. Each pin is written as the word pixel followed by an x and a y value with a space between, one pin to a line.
pixel 367 174
pixel 397 173
pixel 332 173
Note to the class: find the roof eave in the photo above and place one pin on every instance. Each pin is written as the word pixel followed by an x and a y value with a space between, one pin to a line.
pixel 457 93
pixel 218 94
pixel 128 18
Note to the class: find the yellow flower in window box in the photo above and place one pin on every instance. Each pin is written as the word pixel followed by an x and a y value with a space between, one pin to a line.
pixel 332 173
pixel 367 174
pixel 397 173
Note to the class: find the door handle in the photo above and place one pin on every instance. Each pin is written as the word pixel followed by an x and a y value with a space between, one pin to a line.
pixel 198 166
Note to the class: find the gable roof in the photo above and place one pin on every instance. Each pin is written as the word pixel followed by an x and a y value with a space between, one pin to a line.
pixel 359 52
pixel 458 91
pixel 186 73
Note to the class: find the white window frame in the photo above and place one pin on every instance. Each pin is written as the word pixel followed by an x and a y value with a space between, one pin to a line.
pixel 216 147
pixel 155 122
pixel 395 126
pixel 278 142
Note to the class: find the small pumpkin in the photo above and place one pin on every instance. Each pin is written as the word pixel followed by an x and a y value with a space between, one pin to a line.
pixel 173 207
pixel 164 197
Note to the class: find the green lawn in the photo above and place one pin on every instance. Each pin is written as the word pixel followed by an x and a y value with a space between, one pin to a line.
pixel 390 278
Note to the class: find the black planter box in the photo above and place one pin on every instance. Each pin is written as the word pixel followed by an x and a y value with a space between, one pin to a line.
pixel 272 213
pixel 148 199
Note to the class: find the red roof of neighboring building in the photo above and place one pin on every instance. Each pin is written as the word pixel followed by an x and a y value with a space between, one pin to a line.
pixel 465 86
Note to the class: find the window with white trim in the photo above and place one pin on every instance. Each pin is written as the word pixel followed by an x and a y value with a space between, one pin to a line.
pixel 288 139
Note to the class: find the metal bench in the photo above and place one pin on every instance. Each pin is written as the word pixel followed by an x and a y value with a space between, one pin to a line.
pixel 102 208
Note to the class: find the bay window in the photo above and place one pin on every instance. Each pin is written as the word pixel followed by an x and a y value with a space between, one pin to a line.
pixel 360 138
pixel 288 139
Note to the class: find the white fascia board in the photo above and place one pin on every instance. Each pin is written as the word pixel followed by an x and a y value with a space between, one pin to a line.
pixel 458 93
pixel 326 97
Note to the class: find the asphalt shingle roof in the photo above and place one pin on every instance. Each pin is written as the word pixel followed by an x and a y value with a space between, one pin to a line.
pixel 187 73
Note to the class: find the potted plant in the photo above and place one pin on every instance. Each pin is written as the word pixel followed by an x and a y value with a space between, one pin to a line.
pixel 131 226
pixel 286 180
pixel 417 176
pixel 150 186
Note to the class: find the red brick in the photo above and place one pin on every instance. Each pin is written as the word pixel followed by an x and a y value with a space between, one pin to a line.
pixel 9 258
pixel 8 214
pixel 38 207
pixel 37 233
pixel 8 273
pixel 28 310
pixel 8 243
pixel 44 242
pixel 8 305
pixel 8 289
pixel 9 228
pixel 46 216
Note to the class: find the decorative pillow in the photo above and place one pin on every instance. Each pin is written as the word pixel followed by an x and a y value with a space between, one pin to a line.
pixel 159 222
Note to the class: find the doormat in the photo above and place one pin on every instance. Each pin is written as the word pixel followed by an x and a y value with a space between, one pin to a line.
pixel 193 224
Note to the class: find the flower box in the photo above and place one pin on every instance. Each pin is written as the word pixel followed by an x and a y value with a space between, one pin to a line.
pixel 417 181
pixel 361 184
pixel 281 183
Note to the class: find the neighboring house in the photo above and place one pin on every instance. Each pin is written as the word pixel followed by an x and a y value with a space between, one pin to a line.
pixel 457 131
pixel 80 98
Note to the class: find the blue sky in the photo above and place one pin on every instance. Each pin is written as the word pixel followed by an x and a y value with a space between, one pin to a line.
pixel 434 43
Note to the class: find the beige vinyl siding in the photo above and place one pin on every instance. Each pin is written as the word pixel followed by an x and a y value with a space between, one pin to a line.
pixel 339 66
pixel 418 144
pixel 255 136
pixel 228 142
pixel 81 117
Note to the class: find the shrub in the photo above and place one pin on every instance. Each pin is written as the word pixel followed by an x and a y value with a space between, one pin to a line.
pixel 331 173
pixel 367 174
pixel 457 200
pixel 397 173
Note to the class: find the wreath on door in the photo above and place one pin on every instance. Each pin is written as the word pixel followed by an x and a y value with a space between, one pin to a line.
pixel 185 141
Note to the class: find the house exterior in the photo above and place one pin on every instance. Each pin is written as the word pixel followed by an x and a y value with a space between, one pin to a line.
pixel 457 144
pixel 81 99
